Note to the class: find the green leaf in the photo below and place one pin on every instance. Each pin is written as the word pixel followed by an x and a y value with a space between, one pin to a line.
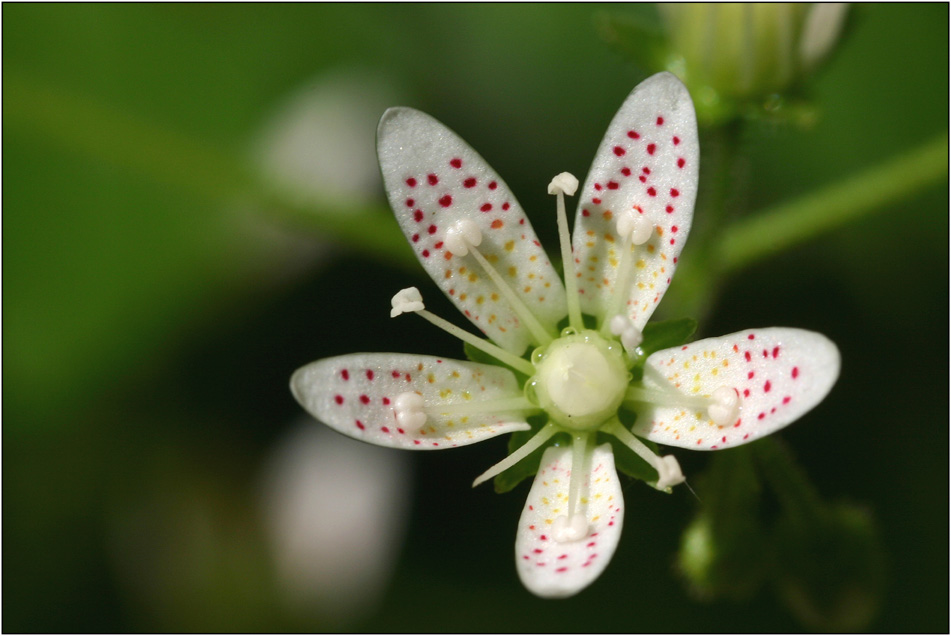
pixel 509 479
pixel 668 333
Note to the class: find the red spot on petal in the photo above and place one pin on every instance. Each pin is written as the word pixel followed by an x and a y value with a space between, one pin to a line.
pixel 561 569
pixel 746 392
pixel 723 439
pixel 673 229
pixel 456 163
pixel 651 148
pixel 698 441
pixel 669 209
pixel 438 246
pixel 537 550
pixel 410 203
pixel 338 399
pixel 415 237
pixel 748 356
pixel 386 401
pixel 425 253
pixel 496 224
pixel 681 163
pixel 431 229
pixel 418 216
pixel 660 121
pixel 446 201
pixel 642 179
pixel 384 429
pixel 469 183
pixel 767 386
pixel 486 207
pixel 408 377
pixel 786 399
pixel 676 140
pixel 596 201
pixel 345 374
pixel 598 187
pixel 761 416
pixel 626 171
pixel 795 372
pixel 633 135
pixel 543 538
pixel 395 374
pixel 365 399
pixel 751 337
pixel 417 442
pixel 775 352
pixel 432 179
pixel 620 152
pixel 493 185
pixel 651 191
pixel 369 374
pixel 674 192
pixel 360 425
pixel 612 185
pixel 505 206
pixel 585 213
pixel 738 422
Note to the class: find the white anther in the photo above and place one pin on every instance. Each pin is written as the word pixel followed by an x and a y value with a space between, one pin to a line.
pixel 409 411
pixel 630 335
pixel 405 301
pixel 668 472
pixel 461 235
pixel 564 530
pixel 725 407
pixel 635 225
pixel 563 183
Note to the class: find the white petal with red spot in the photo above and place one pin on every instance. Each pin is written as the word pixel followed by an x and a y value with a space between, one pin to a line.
pixel 556 569
pixel 648 162
pixel 778 374
pixel 434 180
pixel 356 395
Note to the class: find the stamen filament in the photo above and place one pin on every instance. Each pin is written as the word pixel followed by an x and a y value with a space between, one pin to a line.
pixel 571 281
pixel 622 287
pixel 497 352
pixel 539 333
pixel 579 471
pixel 521 453
pixel 668 470
pixel 488 406
pixel 665 398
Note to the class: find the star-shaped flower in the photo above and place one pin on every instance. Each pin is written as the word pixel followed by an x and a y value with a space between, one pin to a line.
pixel 473 238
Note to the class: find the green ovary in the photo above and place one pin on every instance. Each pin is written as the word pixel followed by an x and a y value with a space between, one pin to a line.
pixel 580 380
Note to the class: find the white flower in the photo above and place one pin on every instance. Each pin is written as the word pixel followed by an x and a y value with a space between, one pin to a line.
pixel 634 215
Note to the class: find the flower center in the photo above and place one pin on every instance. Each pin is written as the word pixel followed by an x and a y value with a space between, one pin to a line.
pixel 580 379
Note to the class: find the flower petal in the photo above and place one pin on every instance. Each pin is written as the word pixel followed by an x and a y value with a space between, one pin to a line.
pixel 434 180
pixel 648 162
pixel 553 569
pixel 779 374
pixel 356 395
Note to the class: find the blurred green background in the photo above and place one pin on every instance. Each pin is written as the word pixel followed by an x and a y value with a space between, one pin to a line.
pixel 160 285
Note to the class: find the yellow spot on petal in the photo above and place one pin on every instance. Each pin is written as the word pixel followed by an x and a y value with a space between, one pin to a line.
pixel 430 378
pixel 512 271
pixel 494 296
pixel 640 264
pixel 509 246
pixel 473 277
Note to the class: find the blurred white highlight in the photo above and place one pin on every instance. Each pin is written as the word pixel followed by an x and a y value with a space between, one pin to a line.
pixel 335 514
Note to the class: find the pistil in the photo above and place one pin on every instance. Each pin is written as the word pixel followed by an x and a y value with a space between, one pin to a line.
pixel 566 183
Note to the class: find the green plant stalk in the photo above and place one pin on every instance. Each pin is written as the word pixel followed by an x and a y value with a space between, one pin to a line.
pixel 82 125
pixel 832 206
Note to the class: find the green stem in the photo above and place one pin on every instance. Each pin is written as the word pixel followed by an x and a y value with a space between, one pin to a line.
pixel 830 207
pixel 88 127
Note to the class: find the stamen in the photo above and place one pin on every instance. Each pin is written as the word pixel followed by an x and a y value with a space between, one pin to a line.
pixel 564 530
pixel 409 411
pixel 725 407
pixel 668 470
pixel 579 472
pixel 666 398
pixel 464 233
pixel 631 336
pixel 633 229
pixel 488 406
pixel 461 235
pixel 409 300
pixel 634 225
pixel 566 183
pixel 521 453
